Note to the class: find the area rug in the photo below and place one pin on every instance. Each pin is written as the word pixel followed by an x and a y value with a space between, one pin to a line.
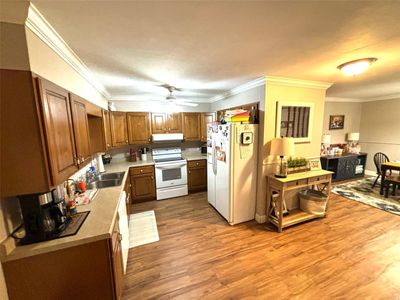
pixel 142 229
pixel 362 191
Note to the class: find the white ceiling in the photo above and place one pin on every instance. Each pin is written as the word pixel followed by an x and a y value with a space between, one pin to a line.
pixel 208 47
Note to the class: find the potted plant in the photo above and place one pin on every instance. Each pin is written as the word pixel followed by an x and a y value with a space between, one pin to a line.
pixel 296 165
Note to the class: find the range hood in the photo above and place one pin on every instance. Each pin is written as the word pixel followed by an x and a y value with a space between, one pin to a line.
pixel 167 137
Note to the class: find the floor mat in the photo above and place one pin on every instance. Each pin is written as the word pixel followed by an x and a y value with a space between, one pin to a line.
pixel 142 229
pixel 362 191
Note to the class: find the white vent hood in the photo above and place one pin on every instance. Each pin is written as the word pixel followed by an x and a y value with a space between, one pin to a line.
pixel 167 137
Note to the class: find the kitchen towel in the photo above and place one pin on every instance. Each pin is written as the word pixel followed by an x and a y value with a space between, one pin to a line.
pixel 142 229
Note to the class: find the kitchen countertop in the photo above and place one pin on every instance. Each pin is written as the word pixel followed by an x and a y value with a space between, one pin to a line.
pixel 98 224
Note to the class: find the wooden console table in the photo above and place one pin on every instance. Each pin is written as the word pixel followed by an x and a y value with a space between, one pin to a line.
pixel 277 187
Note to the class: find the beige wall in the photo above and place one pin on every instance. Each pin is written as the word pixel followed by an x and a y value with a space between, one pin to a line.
pixel 380 129
pixel 48 64
pixel 352 119
pixel 279 92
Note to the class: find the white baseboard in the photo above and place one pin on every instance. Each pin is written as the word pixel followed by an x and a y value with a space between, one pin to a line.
pixel 370 173
pixel 261 218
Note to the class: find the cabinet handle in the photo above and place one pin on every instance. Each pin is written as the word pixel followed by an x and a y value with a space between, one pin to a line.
pixel 108 145
pixel 189 172
pixel 152 177
pixel 126 141
pixel 149 139
pixel 197 164
pixel 141 171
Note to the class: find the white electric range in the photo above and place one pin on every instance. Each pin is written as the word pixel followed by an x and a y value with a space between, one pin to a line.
pixel 171 173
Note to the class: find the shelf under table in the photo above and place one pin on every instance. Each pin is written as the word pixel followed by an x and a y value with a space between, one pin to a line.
pixel 295 216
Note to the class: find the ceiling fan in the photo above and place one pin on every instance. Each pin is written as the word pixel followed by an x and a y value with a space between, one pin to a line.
pixel 172 99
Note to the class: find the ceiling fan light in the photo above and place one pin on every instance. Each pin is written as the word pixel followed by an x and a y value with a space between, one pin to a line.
pixel 356 67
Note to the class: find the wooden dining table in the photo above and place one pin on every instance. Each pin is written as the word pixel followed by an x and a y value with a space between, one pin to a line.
pixel 390 165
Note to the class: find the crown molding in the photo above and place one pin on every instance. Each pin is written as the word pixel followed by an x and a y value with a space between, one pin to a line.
pixel 239 89
pixel 361 100
pixel 298 82
pixel 42 28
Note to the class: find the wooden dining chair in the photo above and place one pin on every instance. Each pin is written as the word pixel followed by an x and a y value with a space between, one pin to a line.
pixel 379 158
pixel 393 180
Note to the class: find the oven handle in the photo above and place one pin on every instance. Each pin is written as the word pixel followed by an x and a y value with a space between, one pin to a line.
pixel 168 167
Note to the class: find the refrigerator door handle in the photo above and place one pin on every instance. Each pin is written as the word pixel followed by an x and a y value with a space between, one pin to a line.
pixel 214 158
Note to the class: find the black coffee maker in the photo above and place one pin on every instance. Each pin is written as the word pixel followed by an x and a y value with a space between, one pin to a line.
pixel 44 216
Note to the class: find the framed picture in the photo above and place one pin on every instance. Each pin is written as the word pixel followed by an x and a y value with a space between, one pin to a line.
pixel 336 122
pixel 294 119
pixel 315 164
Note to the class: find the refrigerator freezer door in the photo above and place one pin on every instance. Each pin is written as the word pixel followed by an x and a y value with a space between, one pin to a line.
pixel 223 176
pixel 210 185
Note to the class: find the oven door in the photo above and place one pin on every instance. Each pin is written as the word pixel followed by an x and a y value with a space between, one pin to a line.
pixel 171 174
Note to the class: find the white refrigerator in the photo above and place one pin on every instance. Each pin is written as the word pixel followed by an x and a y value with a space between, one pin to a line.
pixel 232 170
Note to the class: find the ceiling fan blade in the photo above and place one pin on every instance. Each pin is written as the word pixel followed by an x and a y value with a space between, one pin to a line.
pixel 187 104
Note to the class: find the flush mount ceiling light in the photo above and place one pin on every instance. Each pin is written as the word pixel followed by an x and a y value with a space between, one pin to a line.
pixel 357 66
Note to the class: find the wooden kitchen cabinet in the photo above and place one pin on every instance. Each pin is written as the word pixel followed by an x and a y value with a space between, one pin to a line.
pixel 107 129
pixel 166 123
pixel 191 126
pixel 117 262
pixel 119 132
pixel 81 129
pixel 174 123
pixel 205 119
pixel 143 184
pixel 197 175
pixel 58 130
pixel 139 127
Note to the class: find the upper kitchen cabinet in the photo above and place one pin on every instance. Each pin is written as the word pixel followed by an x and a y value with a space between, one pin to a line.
pixel 107 129
pixel 166 123
pixel 139 127
pixel 191 126
pixel 119 132
pixel 58 130
pixel 205 119
pixel 174 123
pixel 81 129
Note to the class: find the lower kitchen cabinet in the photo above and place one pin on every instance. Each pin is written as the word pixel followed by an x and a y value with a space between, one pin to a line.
pixel 89 271
pixel 143 184
pixel 197 175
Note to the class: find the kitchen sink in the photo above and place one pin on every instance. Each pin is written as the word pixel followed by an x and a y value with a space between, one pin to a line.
pixel 99 184
pixel 108 176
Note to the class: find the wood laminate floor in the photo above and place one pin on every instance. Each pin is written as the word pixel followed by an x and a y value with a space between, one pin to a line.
pixel 354 253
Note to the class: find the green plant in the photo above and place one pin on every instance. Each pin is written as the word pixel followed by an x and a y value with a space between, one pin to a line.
pixel 296 162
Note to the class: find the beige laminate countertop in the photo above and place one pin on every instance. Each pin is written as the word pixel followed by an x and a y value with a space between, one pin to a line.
pixel 98 224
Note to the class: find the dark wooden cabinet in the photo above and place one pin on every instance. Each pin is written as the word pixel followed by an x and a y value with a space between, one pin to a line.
pixel 107 129
pixel 143 184
pixel 117 262
pixel 119 132
pixel 139 127
pixel 59 131
pixel 81 129
pixel 346 166
pixel 192 126
pixel 197 175
pixel 205 119
pixel 166 123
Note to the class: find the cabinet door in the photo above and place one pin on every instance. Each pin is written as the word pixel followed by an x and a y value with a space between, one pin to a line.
pixel 159 123
pixel 107 129
pixel 143 188
pixel 59 131
pixel 174 123
pixel 81 129
pixel 139 129
pixel 118 268
pixel 197 176
pixel 205 119
pixel 191 126
pixel 119 133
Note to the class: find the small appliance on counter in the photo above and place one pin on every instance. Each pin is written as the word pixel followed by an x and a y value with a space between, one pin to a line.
pixel 203 149
pixel 106 158
pixel 100 165
pixel 44 215
pixel 132 154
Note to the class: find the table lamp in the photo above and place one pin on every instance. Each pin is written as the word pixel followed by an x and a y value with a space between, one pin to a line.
pixel 352 145
pixel 326 143
pixel 282 147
